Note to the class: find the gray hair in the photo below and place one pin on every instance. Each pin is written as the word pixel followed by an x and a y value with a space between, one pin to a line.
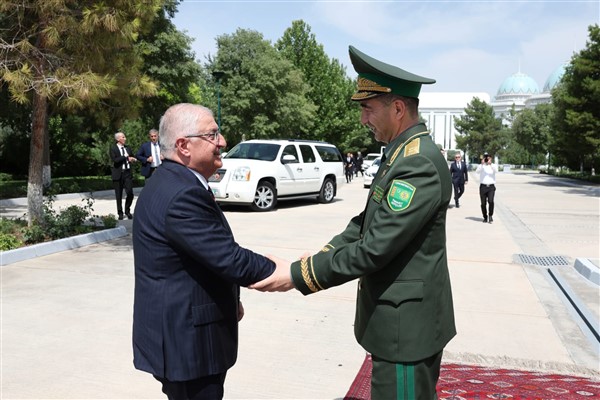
pixel 117 135
pixel 179 120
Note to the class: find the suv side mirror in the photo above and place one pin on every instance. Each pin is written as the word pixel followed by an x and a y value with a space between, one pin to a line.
pixel 288 158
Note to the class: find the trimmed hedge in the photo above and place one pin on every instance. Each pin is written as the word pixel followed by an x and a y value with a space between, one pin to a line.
pixel 77 184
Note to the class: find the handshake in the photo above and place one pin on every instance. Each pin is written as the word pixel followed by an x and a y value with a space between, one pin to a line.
pixel 279 281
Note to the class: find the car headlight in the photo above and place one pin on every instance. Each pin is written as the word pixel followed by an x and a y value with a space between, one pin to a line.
pixel 241 174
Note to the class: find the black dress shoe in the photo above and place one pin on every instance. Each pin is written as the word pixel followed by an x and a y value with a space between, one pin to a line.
pixel 129 216
pixel 484 219
pixel 491 219
pixel 120 216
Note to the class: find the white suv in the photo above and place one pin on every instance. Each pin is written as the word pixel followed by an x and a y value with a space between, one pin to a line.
pixel 261 172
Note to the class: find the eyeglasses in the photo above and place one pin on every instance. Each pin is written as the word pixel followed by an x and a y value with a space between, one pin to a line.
pixel 213 135
pixel 457 157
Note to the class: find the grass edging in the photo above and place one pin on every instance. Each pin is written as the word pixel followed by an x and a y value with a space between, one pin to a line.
pixel 42 249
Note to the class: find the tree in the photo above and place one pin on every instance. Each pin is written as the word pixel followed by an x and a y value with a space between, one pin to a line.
pixel 337 118
pixel 70 54
pixel 576 100
pixel 479 130
pixel 262 94
pixel 169 60
pixel 531 129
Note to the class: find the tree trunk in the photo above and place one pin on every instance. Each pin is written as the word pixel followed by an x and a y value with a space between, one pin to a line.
pixel 46 172
pixel 35 198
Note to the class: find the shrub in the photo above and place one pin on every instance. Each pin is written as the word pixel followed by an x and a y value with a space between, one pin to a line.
pixel 67 222
pixel 33 234
pixel 4 177
pixel 109 221
pixel 9 241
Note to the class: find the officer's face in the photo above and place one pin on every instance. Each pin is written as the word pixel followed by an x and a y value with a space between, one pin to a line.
pixel 380 118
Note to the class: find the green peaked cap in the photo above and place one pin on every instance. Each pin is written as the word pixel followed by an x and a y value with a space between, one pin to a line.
pixel 376 78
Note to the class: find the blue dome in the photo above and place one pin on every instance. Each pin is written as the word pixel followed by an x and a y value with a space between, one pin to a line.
pixel 518 83
pixel 554 78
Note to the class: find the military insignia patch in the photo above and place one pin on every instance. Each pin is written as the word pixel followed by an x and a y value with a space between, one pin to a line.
pixel 377 194
pixel 400 195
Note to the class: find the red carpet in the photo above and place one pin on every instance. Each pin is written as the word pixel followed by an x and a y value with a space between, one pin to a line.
pixel 466 382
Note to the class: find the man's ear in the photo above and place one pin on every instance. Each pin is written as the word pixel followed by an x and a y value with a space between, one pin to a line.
pixel 181 144
pixel 400 108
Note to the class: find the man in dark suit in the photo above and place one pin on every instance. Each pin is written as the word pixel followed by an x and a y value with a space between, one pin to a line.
pixel 122 158
pixel 188 267
pixel 149 154
pixel 396 247
pixel 460 176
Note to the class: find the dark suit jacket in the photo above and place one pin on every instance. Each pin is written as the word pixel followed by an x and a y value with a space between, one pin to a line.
pixel 142 155
pixel 188 269
pixel 459 175
pixel 397 247
pixel 118 160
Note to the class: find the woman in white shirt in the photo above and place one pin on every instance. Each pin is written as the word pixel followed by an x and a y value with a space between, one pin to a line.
pixel 487 186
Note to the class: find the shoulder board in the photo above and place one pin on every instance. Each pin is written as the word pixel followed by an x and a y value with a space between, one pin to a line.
pixel 412 148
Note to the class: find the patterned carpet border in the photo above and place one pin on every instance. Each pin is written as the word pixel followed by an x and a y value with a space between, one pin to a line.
pixel 472 382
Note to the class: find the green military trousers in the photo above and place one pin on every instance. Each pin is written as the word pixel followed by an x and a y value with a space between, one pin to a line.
pixel 405 381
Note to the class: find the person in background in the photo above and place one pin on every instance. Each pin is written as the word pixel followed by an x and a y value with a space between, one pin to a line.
pixel 487 186
pixel 460 177
pixel 396 247
pixel 359 164
pixel 122 177
pixel 188 266
pixel 349 167
pixel 149 154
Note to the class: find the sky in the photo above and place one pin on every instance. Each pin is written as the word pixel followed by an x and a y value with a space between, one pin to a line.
pixel 466 46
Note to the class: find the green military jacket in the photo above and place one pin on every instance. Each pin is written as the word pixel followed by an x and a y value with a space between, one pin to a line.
pixel 397 247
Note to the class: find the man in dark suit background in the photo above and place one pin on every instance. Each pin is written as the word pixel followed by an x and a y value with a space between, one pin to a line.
pixel 460 176
pixel 188 267
pixel 122 178
pixel 149 154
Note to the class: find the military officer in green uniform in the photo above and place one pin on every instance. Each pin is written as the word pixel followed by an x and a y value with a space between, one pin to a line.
pixel 396 247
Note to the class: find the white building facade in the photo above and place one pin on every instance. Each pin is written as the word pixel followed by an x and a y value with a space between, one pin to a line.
pixel 439 109
pixel 519 90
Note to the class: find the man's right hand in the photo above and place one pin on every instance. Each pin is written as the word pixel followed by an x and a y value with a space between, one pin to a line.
pixel 279 281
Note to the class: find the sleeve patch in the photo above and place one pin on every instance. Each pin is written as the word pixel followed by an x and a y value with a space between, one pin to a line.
pixel 400 195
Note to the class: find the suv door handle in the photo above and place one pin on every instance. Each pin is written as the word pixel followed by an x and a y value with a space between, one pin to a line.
pixel 299 169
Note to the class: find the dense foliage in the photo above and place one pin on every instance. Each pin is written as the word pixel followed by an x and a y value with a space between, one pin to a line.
pixel 532 131
pixel 479 130
pixel 576 122
pixel 71 55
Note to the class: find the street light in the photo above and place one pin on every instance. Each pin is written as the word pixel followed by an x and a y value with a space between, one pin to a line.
pixel 218 75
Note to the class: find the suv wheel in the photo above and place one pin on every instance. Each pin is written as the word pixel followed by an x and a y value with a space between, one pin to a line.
pixel 327 191
pixel 264 197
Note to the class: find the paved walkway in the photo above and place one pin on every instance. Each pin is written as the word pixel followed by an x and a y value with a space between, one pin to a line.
pixel 66 317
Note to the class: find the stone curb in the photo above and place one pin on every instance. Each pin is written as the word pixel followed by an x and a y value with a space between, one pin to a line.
pixel 589 269
pixel 55 246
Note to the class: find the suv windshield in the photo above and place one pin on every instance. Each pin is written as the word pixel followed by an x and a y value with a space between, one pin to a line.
pixel 254 151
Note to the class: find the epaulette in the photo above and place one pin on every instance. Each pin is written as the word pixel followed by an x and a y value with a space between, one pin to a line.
pixel 412 148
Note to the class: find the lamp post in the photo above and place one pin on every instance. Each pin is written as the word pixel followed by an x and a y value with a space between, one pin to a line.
pixel 218 75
